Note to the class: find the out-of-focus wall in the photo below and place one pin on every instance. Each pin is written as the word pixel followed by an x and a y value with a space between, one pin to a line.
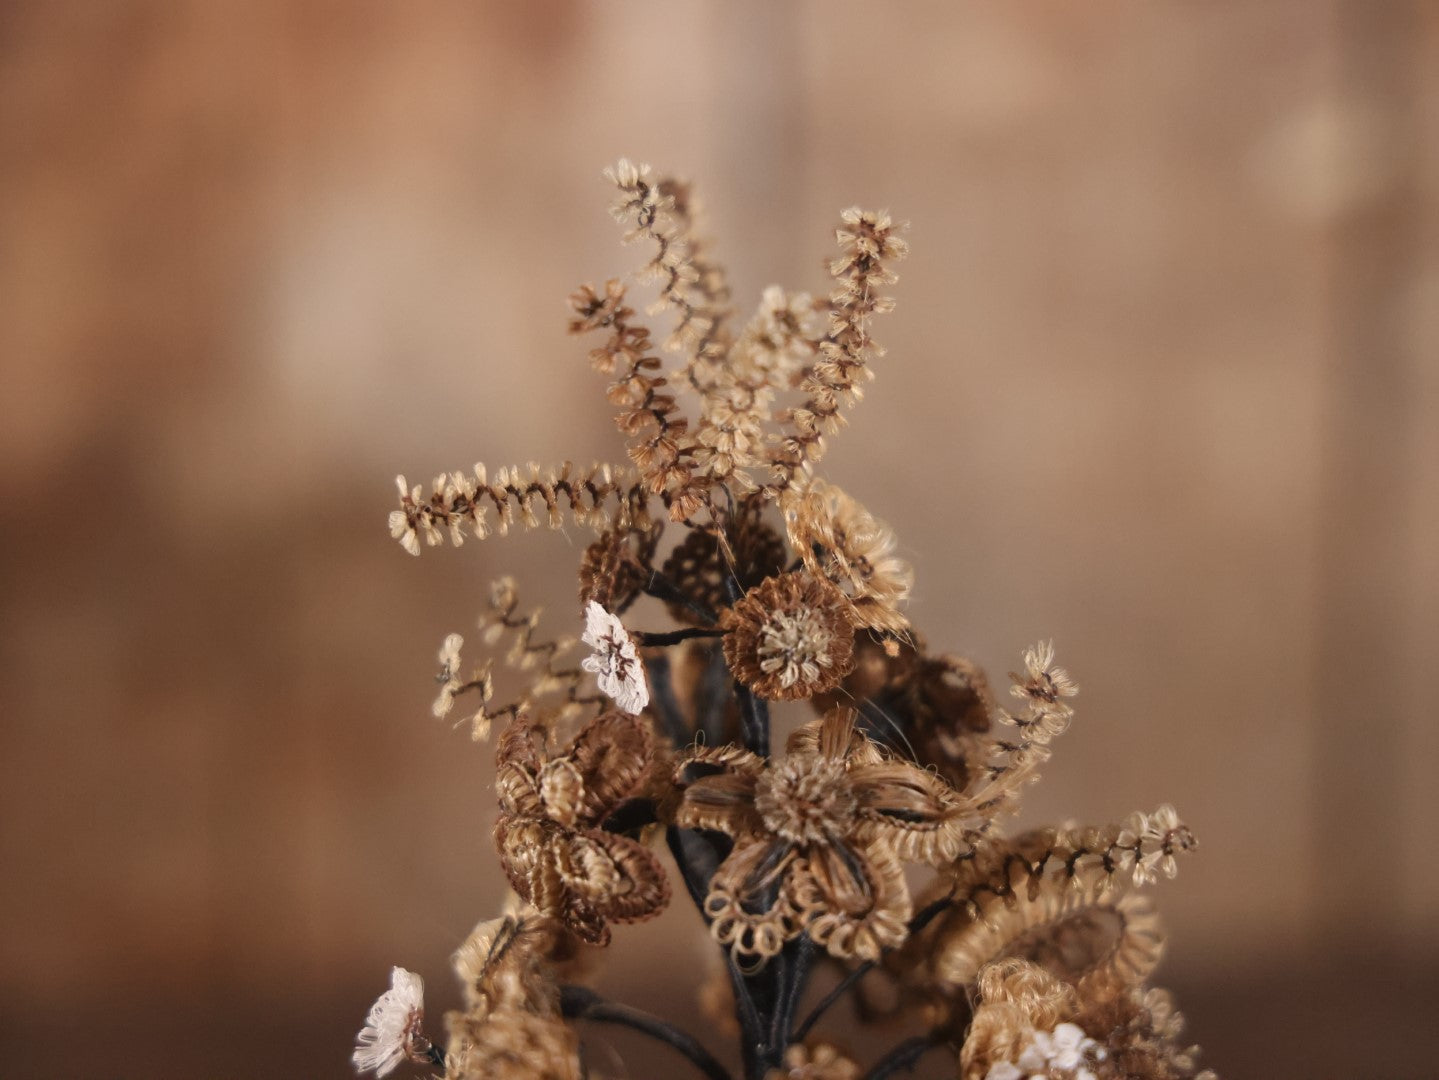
pixel 1161 385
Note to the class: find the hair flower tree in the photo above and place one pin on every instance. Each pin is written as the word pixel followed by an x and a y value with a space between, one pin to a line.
pixel 867 848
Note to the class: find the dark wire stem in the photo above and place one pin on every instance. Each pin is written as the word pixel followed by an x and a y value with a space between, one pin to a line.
pixel 752 1030
pixel 841 988
pixel 674 637
pixel 662 695
pixel 904 1056
pixel 754 720
pixel 926 915
pixel 793 981
pixel 754 711
pixel 712 699
pixel 696 857
pixel 582 1003
pixel 436 1055
pixel 662 588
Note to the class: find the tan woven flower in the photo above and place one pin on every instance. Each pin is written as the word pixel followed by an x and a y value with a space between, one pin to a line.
pixel 842 541
pixel 511 1044
pixel 550 834
pixel 511 1027
pixel 1029 1023
pixel 1060 899
pixel 699 569
pixel 612 569
pixel 1144 1038
pixel 820 836
pixel 503 963
pixel 790 637
pixel 941 703
pixel 1072 933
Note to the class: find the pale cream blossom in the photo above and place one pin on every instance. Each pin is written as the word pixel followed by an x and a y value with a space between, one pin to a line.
pixel 402 525
pixel 449 676
pixel 615 663
pixel 1064 1052
pixel 392 1030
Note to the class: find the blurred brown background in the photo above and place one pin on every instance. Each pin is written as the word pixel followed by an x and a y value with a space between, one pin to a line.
pixel 1162 384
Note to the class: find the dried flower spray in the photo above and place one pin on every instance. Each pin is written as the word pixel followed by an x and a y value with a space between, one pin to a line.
pixel 1022 956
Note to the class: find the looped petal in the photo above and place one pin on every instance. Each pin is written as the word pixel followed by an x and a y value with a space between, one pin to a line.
pixel 549 842
pixel 612 755
pixel 911 809
pixel 518 762
pixel 834 736
pixel 700 761
pixel 585 921
pixel 561 791
pixel 856 900
pixel 619 876
pixel 526 848
pixel 750 903
pixel 723 802
pixel 1079 935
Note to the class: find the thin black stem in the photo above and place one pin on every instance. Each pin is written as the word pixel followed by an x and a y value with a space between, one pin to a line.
pixel 436 1055
pixel 752 1038
pixel 793 981
pixel 904 1056
pixel 582 1003
pixel 926 915
pixel 843 987
pixel 772 979
pixel 674 637
pixel 929 913
pixel 662 588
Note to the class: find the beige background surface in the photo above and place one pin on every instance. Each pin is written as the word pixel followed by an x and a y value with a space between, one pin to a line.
pixel 1162 385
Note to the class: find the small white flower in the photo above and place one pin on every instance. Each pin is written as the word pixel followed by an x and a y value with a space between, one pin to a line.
pixel 449 676
pixel 1035 1055
pixel 615 664
pixel 392 1030
pixel 1069 1037
pixel 402 528
pixel 1066 1048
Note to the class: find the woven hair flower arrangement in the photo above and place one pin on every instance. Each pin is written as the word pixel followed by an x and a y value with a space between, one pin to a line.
pixel 869 842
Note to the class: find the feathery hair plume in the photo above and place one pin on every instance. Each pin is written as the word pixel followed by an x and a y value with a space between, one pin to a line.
pixel 659 447
pixel 869 246
pixel 663 211
pixel 457 501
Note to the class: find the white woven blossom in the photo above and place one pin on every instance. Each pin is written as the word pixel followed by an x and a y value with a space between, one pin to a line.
pixel 1064 1052
pixel 392 1030
pixel 615 663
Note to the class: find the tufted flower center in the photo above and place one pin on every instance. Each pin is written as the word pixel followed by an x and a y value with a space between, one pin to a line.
pixel 806 800
pixel 794 645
